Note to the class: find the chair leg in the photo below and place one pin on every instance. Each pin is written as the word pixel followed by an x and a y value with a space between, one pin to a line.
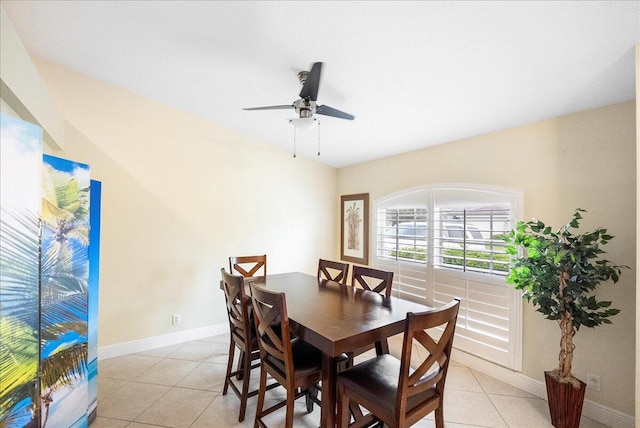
pixel 350 358
pixel 311 397
pixel 240 368
pixel 440 417
pixel 245 385
pixel 291 399
pixel 232 349
pixel 261 393
pixel 343 411
pixel 382 347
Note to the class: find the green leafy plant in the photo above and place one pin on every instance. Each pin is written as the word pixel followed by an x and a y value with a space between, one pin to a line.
pixel 558 272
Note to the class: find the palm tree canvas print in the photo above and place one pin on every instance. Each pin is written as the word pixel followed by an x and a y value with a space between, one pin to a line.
pixel 354 228
pixel 64 293
pixel 20 183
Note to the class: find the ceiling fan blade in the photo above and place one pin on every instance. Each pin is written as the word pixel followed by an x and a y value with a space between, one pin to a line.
pixel 282 107
pixel 310 88
pixel 330 111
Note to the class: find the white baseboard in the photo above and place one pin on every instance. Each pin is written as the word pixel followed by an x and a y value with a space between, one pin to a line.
pixel 590 409
pixel 141 345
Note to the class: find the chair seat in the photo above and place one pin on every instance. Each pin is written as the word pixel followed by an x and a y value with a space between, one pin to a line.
pixel 377 381
pixel 306 358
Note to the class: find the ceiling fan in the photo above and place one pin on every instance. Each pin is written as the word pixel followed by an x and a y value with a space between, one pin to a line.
pixel 306 106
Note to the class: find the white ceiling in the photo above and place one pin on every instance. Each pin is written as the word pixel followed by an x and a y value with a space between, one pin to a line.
pixel 414 74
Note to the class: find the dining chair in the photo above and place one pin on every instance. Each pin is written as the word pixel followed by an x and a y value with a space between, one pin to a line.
pixel 248 266
pixel 371 279
pixel 292 362
pixel 379 281
pixel 389 388
pixel 242 336
pixel 333 271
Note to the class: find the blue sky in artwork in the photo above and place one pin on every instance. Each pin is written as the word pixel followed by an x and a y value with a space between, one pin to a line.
pixel 64 165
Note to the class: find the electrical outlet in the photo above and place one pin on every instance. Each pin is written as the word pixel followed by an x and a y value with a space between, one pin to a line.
pixel 593 381
pixel 175 319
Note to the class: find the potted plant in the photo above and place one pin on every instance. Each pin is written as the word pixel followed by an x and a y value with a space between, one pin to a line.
pixel 558 273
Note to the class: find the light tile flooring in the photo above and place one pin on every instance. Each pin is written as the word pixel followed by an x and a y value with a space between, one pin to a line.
pixel 181 386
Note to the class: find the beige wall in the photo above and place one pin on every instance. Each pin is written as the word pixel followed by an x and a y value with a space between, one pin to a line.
pixel 180 195
pixel 584 160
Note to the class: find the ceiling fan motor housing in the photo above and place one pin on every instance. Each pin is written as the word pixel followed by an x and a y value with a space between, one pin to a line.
pixel 305 108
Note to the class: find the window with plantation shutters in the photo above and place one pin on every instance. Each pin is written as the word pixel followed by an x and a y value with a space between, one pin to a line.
pixel 402 234
pixel 470 239
pixel 444 242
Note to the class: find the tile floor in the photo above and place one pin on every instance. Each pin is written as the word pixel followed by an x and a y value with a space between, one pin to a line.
pixel 181 386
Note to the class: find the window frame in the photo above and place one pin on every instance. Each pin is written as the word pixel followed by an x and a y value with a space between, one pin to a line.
pixel 490 319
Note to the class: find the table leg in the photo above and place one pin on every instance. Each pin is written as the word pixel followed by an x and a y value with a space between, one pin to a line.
pixel 328 407
pixel 382 347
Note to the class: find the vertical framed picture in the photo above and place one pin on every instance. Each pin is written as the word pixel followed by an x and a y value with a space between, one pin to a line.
pixel 354 228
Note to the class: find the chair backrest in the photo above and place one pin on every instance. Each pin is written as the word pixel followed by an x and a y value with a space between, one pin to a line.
pixel 333 271
pixel 248 265
pixel 376 280
pixel 272 329
pixel 432 371
pixel 237 306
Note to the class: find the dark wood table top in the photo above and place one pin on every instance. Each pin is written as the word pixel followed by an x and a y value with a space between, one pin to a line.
pixel 336 318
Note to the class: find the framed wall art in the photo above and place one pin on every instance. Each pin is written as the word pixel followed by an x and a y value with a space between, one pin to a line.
pixel 354 228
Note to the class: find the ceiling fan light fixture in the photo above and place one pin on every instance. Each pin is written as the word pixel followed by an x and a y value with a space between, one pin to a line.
pixel 304 123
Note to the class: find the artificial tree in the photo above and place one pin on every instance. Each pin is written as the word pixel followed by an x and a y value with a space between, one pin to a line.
pixel 558 273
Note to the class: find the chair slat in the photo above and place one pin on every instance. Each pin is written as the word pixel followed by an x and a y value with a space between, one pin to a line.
pixel 373 279
pixel 248 266
pixel 333 271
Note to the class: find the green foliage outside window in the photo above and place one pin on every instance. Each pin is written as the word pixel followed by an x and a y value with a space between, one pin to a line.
pixel 411 253
pixel 456 258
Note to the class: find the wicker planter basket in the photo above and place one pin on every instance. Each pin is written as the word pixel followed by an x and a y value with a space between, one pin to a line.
pixel 565 401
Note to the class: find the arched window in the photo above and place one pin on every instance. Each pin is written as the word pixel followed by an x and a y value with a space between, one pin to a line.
pixel 445 241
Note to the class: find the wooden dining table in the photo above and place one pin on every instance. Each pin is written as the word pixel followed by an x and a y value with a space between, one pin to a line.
pixel 336 318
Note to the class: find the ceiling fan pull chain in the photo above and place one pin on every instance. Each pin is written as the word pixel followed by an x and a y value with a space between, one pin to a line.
pixel 318 138
pixel 294 141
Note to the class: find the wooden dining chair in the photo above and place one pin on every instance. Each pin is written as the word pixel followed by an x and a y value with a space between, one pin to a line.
pixel 389 388
pixel 292 362
pixel 242 337
pixel 376 280
pixel 333 271
pixel 249 265
pixel 379 281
